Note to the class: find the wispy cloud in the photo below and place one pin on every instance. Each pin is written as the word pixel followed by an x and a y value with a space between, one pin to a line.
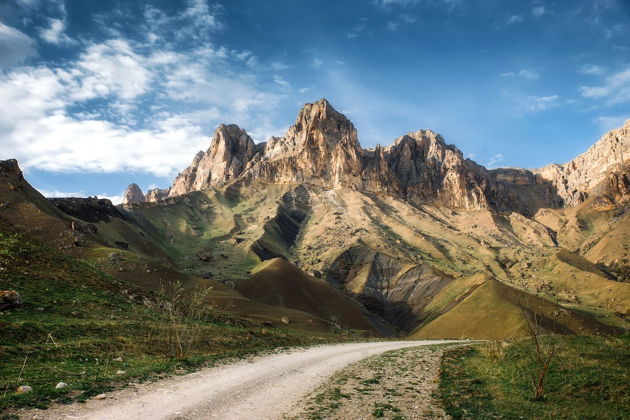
pixel 55 33
pixel 607 123
pixel 524 103
pixel 613 89
pixel 15 46
pixel 514 19
pixel 357 29
pixel 494 161
pixel 400 20
pixel 538 11
pixel 528 74
pixel 593 69
pixel 280 81
pixel 449 5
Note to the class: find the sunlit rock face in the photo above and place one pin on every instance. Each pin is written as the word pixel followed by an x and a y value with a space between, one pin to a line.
pixel 322 148
pixel 575 180
pixel 230 150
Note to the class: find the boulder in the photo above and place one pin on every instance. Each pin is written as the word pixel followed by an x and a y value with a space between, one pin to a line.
pixel 10 299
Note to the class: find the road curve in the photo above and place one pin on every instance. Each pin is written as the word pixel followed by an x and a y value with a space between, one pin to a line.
pixel 261 388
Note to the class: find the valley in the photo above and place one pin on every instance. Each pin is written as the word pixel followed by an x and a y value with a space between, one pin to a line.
pixel 302 240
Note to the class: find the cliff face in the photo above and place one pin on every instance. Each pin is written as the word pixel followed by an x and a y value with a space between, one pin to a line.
pixel 230 150
pixel 157 194
pixel 575 180
pixel 322 148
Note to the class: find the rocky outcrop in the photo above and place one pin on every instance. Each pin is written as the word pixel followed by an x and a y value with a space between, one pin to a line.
pixel 575 180
pixel 614 189
pixel 157 194
pixel 427 170
pixel 387 286
pixel 89 209
pixel 320 148
pixel 133 194
pixel 230 150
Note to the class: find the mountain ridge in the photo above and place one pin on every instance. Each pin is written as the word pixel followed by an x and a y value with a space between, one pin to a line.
pixel 322 148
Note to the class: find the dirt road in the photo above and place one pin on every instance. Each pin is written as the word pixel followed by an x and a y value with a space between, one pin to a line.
pixel 263 387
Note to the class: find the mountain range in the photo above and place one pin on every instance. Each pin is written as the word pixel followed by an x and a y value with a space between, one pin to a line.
pixel 410 238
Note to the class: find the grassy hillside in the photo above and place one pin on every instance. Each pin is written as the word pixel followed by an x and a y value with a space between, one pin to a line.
pixel 81 326
pixel 588 379
pixel 278 282
pixel 489 309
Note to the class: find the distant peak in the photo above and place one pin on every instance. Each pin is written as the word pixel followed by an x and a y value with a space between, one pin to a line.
pixel 133 194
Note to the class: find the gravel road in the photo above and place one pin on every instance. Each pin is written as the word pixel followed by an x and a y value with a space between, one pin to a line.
pixel 263 387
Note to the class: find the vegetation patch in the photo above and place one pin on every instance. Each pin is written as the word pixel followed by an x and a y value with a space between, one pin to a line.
pixel 589 379
pixel 82 327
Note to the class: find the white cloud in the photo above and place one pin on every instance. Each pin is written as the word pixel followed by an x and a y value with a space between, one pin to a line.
pixel 201 13
pixel 542 103
pixel 55 33
pixel 615 89
pixel 47 126
pixel 316 63
pixel 538 11
pixel 528 74
pixel 593 69
pixel 15 46
pixel 111 68
pixel 115 199
pixel 533 103
pixel 494 160
pixel 280 81
pixel 514 19
pixel 60 194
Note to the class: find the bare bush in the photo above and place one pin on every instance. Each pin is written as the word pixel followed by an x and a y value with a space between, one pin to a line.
pixel 494 348
pixel 185 313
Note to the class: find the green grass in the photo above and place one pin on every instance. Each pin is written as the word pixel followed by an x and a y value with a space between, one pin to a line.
pixel 80 326
pixel 589 379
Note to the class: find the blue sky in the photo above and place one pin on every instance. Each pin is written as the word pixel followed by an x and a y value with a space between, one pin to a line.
pixel 97 94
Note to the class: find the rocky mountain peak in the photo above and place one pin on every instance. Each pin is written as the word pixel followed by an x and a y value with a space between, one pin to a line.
pixel 230 150
pixel 318 127
pixel 575 179
pixel 321 147
pixel 133 194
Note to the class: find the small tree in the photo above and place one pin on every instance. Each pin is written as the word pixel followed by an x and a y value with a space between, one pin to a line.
pixel 541 351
